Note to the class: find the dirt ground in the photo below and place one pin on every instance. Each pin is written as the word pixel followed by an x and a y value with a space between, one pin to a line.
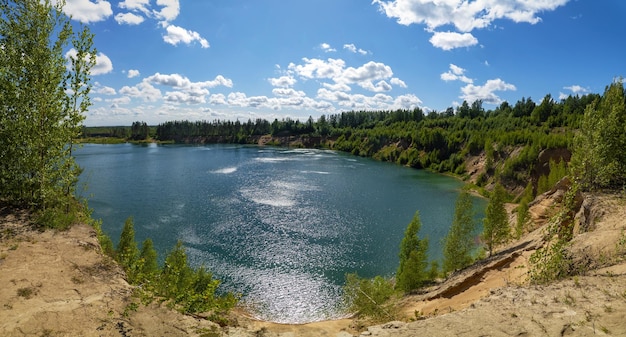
pixel 59 284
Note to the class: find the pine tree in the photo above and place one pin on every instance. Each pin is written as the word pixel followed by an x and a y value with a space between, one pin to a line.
pixel 459 243
pixel 149 266
pixel 496 229
pixel 127 252
pixel 413 258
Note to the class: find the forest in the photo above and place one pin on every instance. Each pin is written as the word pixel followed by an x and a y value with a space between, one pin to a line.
pixel 509 136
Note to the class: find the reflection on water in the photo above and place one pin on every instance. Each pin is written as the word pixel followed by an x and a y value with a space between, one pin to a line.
pixel 282 227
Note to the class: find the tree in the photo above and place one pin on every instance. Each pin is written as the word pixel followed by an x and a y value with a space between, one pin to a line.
pixel 496 229
pixel 127 252
pixel 44 88
pixel 598 158
pixel 459 243
pixel 148 265
pixel 413 258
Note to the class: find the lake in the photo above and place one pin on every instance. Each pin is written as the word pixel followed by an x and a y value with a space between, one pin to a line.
pixel 280 226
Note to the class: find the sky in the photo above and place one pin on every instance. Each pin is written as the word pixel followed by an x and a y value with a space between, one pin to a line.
pixel 164 60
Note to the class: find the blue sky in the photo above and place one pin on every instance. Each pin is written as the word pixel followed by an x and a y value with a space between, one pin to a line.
pixel 161 60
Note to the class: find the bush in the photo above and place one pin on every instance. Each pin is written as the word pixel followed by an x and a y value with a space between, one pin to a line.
pixel 371 298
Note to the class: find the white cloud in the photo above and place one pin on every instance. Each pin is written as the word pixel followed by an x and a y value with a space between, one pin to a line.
pixel 170 10
pixel 288 92
pixel 316 68
pixel 351 47
pixel 327 48
pixel 334 69
pixel 103 63
pixel 143 90
pixel 120 100
pixel 337 86
pixel 283 81
pixel 176 35
pixel 455 73
pixel 135 5
pixel 398 82
pixel 576 89
pixel 451 40
pixel 465 15
pixel 486 92
pixel 218 99
pixel 129 18
pixel 86 11
pixel 186 91
pixel 219 80
pixel 133 73
pixel 184 97
pixel 103 90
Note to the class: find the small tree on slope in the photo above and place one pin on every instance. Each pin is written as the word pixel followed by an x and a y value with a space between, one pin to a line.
pixel 496 229
pixel 458 244
pixel 413 258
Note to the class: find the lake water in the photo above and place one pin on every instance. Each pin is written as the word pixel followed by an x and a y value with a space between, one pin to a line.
pixel 280 226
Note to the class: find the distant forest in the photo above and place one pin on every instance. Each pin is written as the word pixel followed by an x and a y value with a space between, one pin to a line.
pixel 439 141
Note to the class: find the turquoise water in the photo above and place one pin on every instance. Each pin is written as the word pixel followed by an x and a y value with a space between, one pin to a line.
pixel 280 226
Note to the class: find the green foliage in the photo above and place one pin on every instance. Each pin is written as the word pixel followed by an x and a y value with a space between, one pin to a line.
pixel 372 298
pixel 42 102
pixel 550 263
pixel 127 252
pixel 557 171
pixel 599 159
pixel 553 261
pixel 458 243
pixel 522 210
pixel 411 273
pixel 496 229
pixel 189 290
pixel 148 266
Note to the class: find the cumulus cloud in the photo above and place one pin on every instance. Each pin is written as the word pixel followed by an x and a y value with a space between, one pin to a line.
pixel 86 11
pixel 351 47
pixel 288 92
pixel 129 19
pixel 327 48
pixel 176 35
pixel 575 90
pixel 103 90
pixel 135 5
pixel 465 16
pixel 186 91
pixel 103 63
pixel 169 11
pixel 398 82
pixel 451 40
pixel 486 92
pixel 371 76
pixel 316 68
pixel 133 73
pixel 455 73
pixel 283 81
pixel 143 90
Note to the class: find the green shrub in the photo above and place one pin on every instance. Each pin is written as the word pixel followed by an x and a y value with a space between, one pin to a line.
pixel 370 298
